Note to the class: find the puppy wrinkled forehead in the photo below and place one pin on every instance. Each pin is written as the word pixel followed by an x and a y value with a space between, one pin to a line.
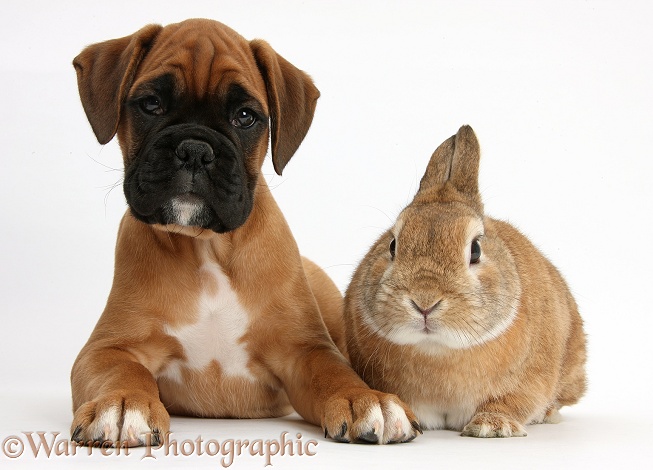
pixel 220 58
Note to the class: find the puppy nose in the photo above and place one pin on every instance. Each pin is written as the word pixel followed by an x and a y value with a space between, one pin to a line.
pixel 190 150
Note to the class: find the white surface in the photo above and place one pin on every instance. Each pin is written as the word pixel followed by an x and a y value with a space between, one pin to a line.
pixel 559 94
pixel 585 439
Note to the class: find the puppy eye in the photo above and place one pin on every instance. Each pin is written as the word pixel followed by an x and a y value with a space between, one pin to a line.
pixel 244 119
pixel 476 252
pixel 393 247
pixel 152 105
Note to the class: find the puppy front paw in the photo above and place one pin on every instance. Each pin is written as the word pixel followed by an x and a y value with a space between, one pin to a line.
pixel 487 424
pixel 364 415
pixel 131 419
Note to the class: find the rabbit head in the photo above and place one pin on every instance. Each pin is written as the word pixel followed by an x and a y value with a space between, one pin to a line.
pixel 440 278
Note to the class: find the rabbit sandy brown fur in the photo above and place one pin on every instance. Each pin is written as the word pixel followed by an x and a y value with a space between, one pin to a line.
pixel 483 346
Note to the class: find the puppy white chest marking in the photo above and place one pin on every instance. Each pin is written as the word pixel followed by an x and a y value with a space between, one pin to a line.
pixel 216 334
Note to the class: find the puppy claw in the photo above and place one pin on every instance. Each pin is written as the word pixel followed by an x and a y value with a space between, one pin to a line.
pixel 107 432
pixel 155 438
pixel 370 437
pixel 341 436
pixel 337 433
pixel 76 436
pixel 410 438
pixel 416 427
pixel 132 438
pixel 376 427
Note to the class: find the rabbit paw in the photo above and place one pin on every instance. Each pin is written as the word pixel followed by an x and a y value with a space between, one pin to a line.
pixel 116 420
pixel 364 415
pixel 488 424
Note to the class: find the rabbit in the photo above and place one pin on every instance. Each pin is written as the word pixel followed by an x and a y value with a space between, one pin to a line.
pixel 460 315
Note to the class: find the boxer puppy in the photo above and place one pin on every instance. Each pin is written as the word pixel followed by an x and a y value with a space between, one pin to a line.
pixel 212 313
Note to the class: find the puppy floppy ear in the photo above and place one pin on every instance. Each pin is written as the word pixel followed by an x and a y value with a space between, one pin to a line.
pixel 105 72
pixel 292 98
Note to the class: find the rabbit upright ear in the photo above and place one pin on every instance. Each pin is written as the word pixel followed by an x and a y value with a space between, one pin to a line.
pixel 438 170
pixel 465 162
pixel 455 161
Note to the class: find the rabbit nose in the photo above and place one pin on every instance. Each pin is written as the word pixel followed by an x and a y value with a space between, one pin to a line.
pixel 425 311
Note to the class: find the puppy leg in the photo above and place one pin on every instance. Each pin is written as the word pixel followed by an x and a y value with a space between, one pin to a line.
pixel 325 390
pixel 115 401
pixel 330 302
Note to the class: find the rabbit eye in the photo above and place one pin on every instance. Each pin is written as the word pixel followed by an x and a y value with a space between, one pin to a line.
pixel 476 252
pixel 393 246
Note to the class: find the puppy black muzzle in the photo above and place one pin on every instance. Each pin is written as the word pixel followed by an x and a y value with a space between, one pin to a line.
pixel 190 175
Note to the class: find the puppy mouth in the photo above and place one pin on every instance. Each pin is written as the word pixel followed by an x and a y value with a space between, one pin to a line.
pixel 192 176
pixel 190 209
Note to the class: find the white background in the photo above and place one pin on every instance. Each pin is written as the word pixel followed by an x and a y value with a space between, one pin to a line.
pixel 559 93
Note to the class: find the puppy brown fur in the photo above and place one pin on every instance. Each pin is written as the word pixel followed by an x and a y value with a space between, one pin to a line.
pixel 212 312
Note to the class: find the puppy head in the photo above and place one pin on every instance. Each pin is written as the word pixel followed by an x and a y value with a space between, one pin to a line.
pixel 193 104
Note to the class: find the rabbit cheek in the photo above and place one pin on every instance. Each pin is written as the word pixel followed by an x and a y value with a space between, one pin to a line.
pixel 382 318
pixel 474 327
pixel 391 322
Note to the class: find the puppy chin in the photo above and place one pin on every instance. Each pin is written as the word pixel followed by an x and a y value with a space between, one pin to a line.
pixel 187 210
pixel 190 214
pixel 186 215
pixel 189 231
